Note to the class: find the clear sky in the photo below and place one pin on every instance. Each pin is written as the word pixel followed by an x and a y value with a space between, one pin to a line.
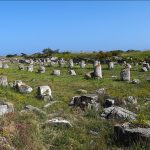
pixel 78 25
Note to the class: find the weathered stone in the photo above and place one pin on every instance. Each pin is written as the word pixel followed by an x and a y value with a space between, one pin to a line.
pixel 6 107
pixel 31 62
pixel 21 67
pixel 82 64
pixel 144 69
pixel 146 65
pixel 11 84
pixel 30 68
pixel 41 69
pixel 72 72
pixel 128 66
pixel 45 93
pixel 124 62
pixel 96 63
pixel 23 88
pixel 98 71
pixel 127 135
pixel 100 91
pixel 3 81
pixel 87 100
pixel 1 64
pixel 118 113
pixel 109 102
pixel 70 64
pixel 125 74
pixel 58 122
pixel 89 75
pixel 16 82
pixel 54 58
pixel 130 100
pixel 82 91
pixel 52 64
pixel 61 62
pixel 110 65
pixel 5 66
pixel 136 81
pixel 56 72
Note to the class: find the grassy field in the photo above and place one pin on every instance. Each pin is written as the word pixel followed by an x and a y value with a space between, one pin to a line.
pixel 28 134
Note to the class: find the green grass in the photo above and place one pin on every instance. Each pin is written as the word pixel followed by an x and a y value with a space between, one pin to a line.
pixel 63 89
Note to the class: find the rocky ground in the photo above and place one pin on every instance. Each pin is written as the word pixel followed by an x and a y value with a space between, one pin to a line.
pixel 51 107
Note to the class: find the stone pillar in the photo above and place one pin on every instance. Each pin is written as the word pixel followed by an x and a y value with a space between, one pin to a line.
pixel 82 64
pixel 125 74
pixel 70 63
pixel 110 65
pixel 98 71
pixel 30 68
pixel 96 63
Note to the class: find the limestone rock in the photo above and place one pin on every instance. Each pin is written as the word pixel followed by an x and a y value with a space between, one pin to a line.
pixel 21 67
pixel 109 102
pixel 125 74
pixel 127 135
pixel 23 88
pixel 1 64
pixel 41 69
pixel 87 100
pixel 70 64
pixel 82 91
pixel 72 72
pixel 130 100
pixel 136 81
pixel 30 68
pixel 144 69
pixel 6 107
pixel 58 122
pixel 16 82
pixel 110 65
pixel 100 91
pixel 45 93
pixel 5 66
pixel 61 62
pixel 146 65
pixel 96 63
pixel 89 75
pixel 98 71
pixel 82 64
pixel 118 113
pixel 56 72
pixel 3 81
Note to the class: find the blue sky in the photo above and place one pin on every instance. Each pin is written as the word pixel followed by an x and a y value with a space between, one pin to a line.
pixel 31 26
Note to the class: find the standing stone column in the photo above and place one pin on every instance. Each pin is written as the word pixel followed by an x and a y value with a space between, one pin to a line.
pixel 98 71
pixel 82 64
pixel 125 74
pixel 61 62
pixel 30 68
pixel 1 64
pixel 110 65
pixel 3 81
pixel 21 67
pixel 96 63
pixel 70 64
